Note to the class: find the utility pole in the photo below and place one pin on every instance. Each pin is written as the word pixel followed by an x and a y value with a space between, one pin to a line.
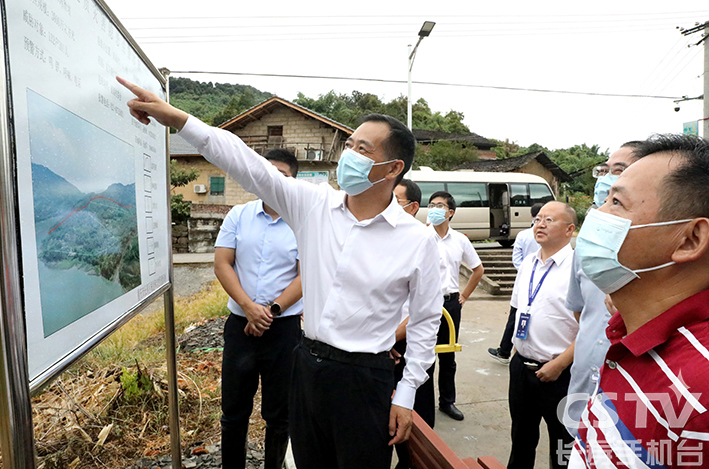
pixel 705 34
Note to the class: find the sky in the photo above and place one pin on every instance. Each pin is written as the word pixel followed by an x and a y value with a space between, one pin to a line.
pixel 628 47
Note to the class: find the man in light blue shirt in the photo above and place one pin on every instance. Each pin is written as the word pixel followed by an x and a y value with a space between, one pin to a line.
pixel 256 261
pixel 525 244
pixel 588 303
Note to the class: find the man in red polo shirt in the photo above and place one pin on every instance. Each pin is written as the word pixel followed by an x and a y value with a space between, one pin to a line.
pixel 648 247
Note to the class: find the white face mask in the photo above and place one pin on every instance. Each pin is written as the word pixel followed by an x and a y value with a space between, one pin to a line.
pixel 597 246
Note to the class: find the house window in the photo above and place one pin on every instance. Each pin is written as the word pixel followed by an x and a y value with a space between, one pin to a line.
pixel 275 136
pixel 216 185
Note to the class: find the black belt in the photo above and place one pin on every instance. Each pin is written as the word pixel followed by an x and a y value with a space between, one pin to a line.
pixel 530 364
pixel 450 296
pixel 381 360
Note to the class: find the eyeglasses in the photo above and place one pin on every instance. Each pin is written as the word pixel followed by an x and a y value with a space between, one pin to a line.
pixel 437 206
pixel 547 221
pixel 599 171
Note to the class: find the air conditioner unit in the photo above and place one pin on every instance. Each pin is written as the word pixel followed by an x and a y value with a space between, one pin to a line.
pixel 200 189
pixel 314 155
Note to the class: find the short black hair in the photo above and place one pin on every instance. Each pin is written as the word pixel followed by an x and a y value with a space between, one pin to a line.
pixel 535 209
pixel 399 145
pixel 413 191
pixel 685 190
pixel 450 201
pixel 284 156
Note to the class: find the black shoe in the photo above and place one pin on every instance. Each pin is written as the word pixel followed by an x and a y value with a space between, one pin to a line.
pixel 499 355
pixel 451 411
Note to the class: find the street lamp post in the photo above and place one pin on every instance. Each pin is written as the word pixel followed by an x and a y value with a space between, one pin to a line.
pixel 425 31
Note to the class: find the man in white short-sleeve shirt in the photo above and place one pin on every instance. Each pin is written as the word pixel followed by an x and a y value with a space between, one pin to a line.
pixel 544 338
pixel 362 258
pixel 455 249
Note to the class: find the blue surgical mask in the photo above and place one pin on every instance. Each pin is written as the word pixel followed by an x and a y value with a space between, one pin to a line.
pixel 437 216
pixel 602 188
pixel 597 245
pixel 353 172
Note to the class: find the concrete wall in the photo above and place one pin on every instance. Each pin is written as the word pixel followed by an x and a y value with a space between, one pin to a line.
pixel 203 226
pixel 536 168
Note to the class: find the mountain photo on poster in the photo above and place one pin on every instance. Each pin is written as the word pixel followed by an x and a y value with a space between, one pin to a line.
pixel 83 184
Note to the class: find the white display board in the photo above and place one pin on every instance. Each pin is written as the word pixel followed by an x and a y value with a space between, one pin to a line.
pixel 316 177
pixel 91 181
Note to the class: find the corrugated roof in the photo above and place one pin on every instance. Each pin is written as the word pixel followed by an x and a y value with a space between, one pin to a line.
pixel 431 136
pixel 511 164
pixel 180 147
pixel 256 112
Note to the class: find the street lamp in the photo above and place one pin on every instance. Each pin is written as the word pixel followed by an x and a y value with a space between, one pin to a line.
pixel 425 31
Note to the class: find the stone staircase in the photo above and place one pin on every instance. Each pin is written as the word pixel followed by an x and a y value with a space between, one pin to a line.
pixel 500 273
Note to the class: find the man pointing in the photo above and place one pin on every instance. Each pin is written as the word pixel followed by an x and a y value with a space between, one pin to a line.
pixel 362 257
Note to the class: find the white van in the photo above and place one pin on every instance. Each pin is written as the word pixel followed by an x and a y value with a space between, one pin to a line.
pixel 489 205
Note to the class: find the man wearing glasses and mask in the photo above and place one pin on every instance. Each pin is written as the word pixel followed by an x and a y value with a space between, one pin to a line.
pixel 455 249
pixel 648 248
pixel 361 258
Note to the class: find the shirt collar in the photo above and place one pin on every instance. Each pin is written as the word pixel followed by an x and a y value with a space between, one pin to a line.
pixel 558 257
pixel 390 214
pixel 433 228
pixel 658 330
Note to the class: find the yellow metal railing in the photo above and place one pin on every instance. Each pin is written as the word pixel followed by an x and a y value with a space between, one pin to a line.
pixel 451 346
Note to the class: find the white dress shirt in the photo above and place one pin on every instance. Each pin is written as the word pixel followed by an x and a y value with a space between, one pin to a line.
pixel 552 327
pixel 455 249
pixel 356 275
pixel 525 244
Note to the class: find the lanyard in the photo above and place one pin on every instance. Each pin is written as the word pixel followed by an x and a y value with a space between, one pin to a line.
pixel 532 296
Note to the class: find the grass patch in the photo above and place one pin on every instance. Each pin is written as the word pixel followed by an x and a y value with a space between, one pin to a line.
pixel 110 408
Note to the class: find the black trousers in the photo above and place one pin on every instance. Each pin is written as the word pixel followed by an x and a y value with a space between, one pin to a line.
pixel 530 401
pixel 446 361
pixel 506 342
pixel 244 359
pixel 339 413
pixel 424 403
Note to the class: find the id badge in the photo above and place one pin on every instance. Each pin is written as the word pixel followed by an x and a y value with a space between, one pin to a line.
pixel 523 326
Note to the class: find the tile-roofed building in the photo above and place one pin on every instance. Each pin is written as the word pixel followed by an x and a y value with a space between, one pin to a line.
pixel 532 163
pixel 484 146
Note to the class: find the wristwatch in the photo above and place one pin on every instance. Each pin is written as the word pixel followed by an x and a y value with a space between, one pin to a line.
pixel 275 309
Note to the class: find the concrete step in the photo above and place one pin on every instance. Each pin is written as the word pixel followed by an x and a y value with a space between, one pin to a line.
pixel 491 271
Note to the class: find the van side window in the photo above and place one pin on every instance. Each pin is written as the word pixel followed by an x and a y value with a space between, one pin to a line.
pixel 428 188
pixel 469 194
pixel 518 195
pixel 540 194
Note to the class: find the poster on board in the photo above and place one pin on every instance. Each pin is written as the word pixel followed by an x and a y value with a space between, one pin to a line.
pixel 91 180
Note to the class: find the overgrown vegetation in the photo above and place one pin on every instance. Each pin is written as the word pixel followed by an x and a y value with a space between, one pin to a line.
pixel 180 176
pixel 110 409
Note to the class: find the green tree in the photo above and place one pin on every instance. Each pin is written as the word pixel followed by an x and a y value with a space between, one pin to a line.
pixel 179 177
pixel 444 155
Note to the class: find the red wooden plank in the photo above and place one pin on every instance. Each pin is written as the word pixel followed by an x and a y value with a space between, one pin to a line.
pixel 489 462
pixel 472 463
pixel 429 451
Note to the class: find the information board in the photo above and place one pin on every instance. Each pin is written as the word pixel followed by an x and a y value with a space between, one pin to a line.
pixel 91 181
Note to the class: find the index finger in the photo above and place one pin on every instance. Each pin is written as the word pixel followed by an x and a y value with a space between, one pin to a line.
pixel 135 89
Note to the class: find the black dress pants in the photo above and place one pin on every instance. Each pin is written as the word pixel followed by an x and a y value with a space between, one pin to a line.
pixel 424 402
pixel 530 401
pixel 244 359
pixel 339 413
pixel 446 361
pixel 506 342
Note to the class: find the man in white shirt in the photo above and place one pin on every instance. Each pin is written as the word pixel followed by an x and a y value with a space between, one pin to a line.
pixel 455 249
pixel 544 338
pixel 525 244
pixel 362 258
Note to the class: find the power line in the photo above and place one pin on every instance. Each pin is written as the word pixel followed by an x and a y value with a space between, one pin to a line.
pixel 463 85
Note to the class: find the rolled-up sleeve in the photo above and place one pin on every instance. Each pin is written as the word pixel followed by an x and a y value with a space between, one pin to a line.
pixel 425 310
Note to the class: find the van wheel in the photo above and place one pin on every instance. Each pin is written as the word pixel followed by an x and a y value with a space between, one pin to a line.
pixel 506 243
